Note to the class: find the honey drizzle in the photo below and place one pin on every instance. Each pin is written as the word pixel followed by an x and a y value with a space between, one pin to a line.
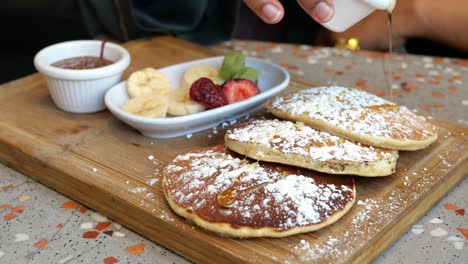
pixel 227 197
pixel 389 107
pixel 231 194
pixel 390 53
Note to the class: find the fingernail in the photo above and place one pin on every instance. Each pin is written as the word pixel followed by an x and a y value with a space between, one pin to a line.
pixel 322 12
pixel 271 12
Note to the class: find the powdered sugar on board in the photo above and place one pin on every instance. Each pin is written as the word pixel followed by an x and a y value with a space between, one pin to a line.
pixel 297 138
pixel 367 218
pixel 259 195
pixel 370 214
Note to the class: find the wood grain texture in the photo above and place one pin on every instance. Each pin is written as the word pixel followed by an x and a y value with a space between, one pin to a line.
pixel 61 149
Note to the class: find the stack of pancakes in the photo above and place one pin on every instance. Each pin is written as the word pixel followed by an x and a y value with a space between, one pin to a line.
pixel 298 178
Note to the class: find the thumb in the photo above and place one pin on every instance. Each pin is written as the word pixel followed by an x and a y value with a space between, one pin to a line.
pixel 270 11
pixel 320 10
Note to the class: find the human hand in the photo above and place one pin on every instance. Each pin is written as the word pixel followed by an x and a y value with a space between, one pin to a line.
pixel 271 11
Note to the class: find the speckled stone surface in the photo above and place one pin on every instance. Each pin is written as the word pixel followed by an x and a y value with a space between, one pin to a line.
pixel 43 231
pixel 415 247
pixel 45 219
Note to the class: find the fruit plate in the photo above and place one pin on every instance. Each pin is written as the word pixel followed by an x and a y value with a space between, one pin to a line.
pixel 272 79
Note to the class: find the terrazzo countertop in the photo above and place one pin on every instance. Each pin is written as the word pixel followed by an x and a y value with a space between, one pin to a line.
pixel 39 225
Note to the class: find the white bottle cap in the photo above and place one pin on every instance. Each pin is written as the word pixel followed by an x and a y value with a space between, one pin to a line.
pixel 349 12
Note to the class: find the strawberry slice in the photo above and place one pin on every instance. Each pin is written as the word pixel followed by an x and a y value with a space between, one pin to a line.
pixel 207 93
pixel 239 89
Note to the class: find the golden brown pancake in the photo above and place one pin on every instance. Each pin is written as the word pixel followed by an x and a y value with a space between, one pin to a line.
pixel 300 145
pixel 230 195
pixel 357 116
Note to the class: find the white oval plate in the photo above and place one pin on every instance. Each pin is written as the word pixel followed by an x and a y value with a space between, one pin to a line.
pixel 272 79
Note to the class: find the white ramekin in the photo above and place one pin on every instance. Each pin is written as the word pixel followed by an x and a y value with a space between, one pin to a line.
pixel 81 91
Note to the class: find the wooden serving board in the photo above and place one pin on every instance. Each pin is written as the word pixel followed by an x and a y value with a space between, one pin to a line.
pixel 100 162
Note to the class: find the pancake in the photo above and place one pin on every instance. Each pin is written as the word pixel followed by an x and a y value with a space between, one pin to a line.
pixel 357 116
pixel 300 145
pixel 238 197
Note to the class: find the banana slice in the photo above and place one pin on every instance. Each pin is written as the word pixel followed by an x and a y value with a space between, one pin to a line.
pixel 147 82
pixel 180 104
pixel 154 105
pixel 196 72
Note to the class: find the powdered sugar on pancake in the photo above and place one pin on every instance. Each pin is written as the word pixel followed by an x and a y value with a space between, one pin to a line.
pixel 261 195
pixel 356 111
pixel 296 138
pixel 315 98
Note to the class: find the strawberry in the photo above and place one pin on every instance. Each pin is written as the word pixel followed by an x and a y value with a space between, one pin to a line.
pixel 207 93
pixel 239 89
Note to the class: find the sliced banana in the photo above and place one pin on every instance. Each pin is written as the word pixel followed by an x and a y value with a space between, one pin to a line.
pixel 180 104
pixel 147 82
pixel 155 106
pixel 196 72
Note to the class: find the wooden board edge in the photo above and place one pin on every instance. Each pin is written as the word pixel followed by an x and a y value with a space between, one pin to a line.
pixel 38 169
pixel 456 128
pixel 427 202
pixel 35 77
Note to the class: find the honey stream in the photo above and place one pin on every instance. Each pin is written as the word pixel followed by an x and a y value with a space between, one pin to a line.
pixel 390 53
pixel 390 49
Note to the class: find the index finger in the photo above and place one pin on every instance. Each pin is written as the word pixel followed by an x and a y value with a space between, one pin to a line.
pixel 270 11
